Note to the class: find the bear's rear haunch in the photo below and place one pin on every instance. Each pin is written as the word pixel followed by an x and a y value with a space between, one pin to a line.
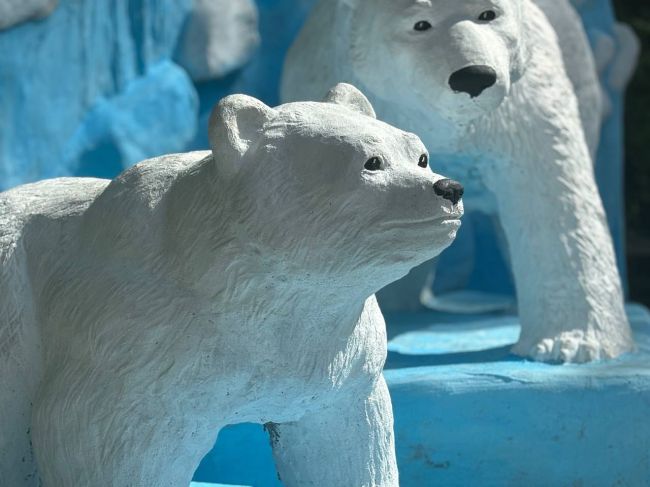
pixel 141 315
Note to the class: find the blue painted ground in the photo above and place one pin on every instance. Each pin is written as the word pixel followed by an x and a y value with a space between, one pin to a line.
pixel 202 484
pixel 469 413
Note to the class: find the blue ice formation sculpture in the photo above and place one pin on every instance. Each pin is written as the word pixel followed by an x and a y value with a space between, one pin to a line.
pixel 91 89
pixel 98 86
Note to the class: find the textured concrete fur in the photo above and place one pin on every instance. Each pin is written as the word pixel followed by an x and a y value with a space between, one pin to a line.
pixel 508 90
pixel 139 316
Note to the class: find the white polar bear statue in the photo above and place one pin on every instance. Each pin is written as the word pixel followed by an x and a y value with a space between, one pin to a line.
pixel 139 316
pixel 510 98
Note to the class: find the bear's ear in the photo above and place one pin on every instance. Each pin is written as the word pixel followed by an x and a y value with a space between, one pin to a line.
pixel 350 97
pixel 235 124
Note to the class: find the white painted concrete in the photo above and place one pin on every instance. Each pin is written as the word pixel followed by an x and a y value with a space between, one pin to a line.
pixel 139 316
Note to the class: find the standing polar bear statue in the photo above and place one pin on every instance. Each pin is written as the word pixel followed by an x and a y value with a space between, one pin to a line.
pixel 139 316
pixel 509 97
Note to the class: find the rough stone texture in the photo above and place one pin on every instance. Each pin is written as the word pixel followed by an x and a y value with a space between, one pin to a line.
pixel 93 72
pixel 523 145
pixel 219 37
pixel 139 316
pixel 14 12
pixel 155 114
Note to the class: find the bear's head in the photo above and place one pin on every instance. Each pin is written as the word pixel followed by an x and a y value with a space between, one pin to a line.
pixel 458 58
pixel 326 190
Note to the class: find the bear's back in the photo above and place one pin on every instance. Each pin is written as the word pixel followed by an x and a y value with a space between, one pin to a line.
pixel 32 217
pixel 50 198
pixel 579 64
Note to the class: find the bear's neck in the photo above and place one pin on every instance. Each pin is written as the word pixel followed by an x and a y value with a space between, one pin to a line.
pixel 243 287
pixel 208 254
pixel 268 289
pixel 265 300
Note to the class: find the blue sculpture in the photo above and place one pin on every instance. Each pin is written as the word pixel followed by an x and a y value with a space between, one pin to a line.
pixel 91 89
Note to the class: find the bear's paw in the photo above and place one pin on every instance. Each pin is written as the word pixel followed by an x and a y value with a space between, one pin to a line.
pixel 575 346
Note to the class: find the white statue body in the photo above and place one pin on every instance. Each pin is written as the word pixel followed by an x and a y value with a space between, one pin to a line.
pixel 139 316
pixel 514 102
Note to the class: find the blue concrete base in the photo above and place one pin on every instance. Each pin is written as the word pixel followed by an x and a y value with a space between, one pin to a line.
pixel 203 484
pixel 469 413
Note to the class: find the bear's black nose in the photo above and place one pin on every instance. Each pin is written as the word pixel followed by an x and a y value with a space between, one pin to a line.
pixel 473 80
pixel 449 189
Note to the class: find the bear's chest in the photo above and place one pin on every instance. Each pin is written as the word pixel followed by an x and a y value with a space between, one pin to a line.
pixel 295 366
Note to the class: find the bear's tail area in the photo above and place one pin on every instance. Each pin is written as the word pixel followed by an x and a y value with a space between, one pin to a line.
pixel 20 359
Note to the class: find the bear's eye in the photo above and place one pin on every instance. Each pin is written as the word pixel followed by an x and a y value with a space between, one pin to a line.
pixel 373 164
pixel 487 16
pixel 424 161
pixel 422 25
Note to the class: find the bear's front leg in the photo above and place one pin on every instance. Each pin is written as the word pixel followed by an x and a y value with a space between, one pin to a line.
pixel 571 304
pixel 89 430
pixel 348 444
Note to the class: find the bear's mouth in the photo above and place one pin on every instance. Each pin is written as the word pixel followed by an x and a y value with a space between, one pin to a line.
pixel 452 219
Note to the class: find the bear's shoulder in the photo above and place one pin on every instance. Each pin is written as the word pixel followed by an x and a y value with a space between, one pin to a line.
pixel 131 211
pixel 147 182
pixel 141 189
pixel 34 216
pixel 52 199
